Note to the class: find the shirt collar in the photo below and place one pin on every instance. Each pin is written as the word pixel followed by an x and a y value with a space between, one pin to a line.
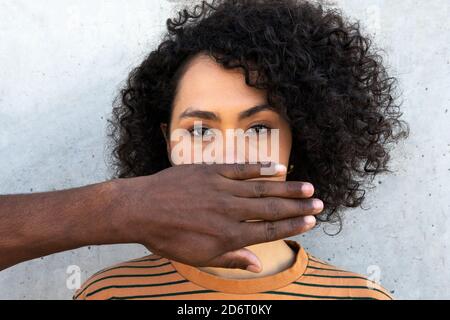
pixel 247 286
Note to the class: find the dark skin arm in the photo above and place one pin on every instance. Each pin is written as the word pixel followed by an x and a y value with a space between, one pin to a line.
pixel 192 213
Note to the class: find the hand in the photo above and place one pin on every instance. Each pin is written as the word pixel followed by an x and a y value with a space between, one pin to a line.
pixel 196 213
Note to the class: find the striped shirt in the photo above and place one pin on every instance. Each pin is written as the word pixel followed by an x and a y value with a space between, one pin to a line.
pixel 155 277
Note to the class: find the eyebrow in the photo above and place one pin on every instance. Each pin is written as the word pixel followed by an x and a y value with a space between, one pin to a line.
pixel 254 110
pixel 207 115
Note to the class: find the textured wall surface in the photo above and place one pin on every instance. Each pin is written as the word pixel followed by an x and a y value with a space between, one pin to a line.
pixel 62 62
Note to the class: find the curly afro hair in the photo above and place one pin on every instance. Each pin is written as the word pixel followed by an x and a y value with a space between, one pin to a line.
pixel 317 69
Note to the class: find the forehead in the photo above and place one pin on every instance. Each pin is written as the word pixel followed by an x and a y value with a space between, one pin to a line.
pixel 207 85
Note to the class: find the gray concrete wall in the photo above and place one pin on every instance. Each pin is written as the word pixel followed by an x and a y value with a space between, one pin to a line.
pixel 61 63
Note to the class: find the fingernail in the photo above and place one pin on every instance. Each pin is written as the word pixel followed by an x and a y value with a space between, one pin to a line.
pixel 310 220
pixel 253 268
pixel 307 187
pixel 317 204
pixel 279 168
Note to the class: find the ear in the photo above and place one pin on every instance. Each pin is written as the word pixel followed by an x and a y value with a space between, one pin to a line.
pixel 165 131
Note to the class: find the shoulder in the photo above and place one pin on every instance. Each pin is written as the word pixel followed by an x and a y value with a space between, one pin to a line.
pixel 342 283
pixel 107 282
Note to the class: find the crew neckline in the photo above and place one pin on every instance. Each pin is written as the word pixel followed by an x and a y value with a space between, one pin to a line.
pixel 247 286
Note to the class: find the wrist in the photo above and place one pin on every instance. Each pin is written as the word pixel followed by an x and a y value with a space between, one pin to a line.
pixel 114 210
pixel 104 223
pixel 126 220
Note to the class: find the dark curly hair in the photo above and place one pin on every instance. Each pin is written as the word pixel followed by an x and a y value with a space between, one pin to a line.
pixel 317 69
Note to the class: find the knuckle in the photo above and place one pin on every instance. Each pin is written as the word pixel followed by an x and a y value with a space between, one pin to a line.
pixel 292 187
pixel 219 206
pixel 207 168
pixel 229 237
pixel 231 263
pixel 197 170
pixel 260 189
pixel 273 209
pixel 228 205
pixel 228 264
pixel 225 204
pixel 218 183
pixel 295 224
pixel 301 205
pixel 270 229
pixel 194 167
pixel 238 169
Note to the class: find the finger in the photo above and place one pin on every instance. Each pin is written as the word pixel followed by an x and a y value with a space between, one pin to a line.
pixel 273 209
pixel 282 189
pixel 243 171
pixel 267 231
pixel 241 259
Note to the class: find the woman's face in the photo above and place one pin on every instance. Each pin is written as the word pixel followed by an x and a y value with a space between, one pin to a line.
pixel 210 101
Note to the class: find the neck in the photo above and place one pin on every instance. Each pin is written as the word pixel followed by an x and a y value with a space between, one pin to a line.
pixel 275 257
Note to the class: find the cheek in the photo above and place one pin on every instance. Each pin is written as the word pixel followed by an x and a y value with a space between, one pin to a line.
pixel 180 153
pixel 284 151
pixel 285 147
pixel 279 146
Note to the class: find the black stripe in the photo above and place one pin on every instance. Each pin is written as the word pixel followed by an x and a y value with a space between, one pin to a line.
pixel 330 276
pixel 131 261
pixel 135 286
pixel 342 287
pixel 317 268
pixel 162 295
pixel 323 263
pixel 338 277
pixel 266 292
pixel 318 297
pixel 146 259
pixel 131 267
pixel 126 276
pixel 317 261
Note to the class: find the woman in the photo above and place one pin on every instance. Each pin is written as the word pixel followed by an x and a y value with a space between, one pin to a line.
pixel 257 66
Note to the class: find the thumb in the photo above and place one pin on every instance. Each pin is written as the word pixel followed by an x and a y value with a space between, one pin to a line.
pixel 240 259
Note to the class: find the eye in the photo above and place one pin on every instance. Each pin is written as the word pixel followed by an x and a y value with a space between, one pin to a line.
pixel 258 128
pixel 201 131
